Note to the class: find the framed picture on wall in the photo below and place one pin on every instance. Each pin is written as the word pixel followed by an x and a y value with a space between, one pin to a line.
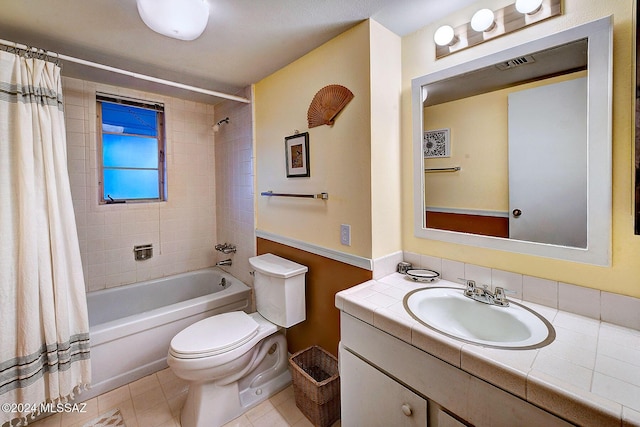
pixel 296 149
pixel 436 143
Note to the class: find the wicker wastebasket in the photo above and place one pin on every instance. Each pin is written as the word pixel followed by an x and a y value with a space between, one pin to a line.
pixel 316 385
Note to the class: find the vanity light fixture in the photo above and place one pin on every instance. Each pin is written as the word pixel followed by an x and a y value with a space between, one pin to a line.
pixel 483 20
pixel 528 7
pixel 487 24
pixel 178 19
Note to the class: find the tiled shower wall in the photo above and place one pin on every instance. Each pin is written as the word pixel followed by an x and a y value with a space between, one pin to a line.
pixel 182 229
pixel 234 181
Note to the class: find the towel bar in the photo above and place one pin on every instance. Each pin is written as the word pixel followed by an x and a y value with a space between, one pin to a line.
pixel 452 169
pixel 323 196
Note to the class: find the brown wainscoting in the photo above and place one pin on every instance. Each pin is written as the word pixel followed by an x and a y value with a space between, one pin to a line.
pixel 475 224
pixel 325 278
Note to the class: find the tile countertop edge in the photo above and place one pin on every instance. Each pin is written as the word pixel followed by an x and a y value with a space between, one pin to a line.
pixel 545 391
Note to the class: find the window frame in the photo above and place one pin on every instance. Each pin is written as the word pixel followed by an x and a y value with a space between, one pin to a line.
pixel 161 143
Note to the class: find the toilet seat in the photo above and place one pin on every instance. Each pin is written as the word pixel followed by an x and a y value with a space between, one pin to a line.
pixel 214 335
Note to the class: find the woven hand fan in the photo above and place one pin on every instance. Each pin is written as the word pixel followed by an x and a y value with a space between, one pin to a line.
pixel 326 105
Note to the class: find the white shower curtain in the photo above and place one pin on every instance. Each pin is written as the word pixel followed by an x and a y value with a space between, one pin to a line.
pixel 44 333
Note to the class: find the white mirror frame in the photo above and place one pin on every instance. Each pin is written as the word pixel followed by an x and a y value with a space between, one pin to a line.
pixel 598 251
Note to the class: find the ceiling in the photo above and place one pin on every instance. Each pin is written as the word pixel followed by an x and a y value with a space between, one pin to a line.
pixel 245 40
pixel 551 62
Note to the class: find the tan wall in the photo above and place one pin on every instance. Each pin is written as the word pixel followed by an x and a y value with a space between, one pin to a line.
pixel 386 188
pixel 357 161
pixel 340 155
pixel 418 59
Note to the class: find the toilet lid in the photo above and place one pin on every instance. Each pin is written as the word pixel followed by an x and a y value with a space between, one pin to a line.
pixel 214 335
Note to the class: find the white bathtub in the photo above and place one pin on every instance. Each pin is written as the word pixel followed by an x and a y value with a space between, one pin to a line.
pixel 131 326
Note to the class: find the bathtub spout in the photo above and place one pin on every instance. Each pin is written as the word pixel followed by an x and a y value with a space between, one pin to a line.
pixel 223 263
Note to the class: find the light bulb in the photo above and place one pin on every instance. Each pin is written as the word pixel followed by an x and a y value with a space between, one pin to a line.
pixel 483 20
pixel 444 36
pixel 528 7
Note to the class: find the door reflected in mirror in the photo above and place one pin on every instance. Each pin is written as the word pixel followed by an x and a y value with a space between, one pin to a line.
pixel 527 133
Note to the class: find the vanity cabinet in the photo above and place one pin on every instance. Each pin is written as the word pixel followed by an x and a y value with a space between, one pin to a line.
pixel 381 373
pixel 374 399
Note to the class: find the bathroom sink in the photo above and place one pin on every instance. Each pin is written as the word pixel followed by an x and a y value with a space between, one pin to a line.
pixel 448 311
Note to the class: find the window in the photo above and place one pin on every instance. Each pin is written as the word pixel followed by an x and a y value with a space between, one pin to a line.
pixel 131 151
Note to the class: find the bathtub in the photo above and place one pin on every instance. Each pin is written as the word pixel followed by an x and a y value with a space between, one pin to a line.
pixel 131 326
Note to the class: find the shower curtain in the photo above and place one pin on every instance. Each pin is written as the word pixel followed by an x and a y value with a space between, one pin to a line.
pixel 44 332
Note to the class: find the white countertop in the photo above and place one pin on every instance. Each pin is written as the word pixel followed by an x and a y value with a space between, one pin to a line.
pixel 590 374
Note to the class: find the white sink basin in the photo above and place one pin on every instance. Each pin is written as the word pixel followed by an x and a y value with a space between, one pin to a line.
pixel 449 312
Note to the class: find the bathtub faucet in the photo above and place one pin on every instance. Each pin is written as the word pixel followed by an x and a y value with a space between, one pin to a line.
pixel 224 262
pixel 226 248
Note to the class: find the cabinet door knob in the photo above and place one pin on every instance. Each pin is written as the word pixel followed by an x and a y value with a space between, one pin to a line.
pixel 406 409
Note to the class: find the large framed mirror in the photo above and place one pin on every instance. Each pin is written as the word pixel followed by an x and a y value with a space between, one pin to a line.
pixel 512 151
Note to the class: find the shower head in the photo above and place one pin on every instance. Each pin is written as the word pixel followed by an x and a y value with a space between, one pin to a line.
pixel 216 127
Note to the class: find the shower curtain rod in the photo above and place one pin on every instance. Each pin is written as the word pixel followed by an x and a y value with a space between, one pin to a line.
pixel 127 73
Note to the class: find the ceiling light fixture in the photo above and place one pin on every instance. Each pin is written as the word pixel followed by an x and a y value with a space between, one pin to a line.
pixel 178 19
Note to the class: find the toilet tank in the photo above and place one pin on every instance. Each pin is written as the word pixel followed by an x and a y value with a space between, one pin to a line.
pixel 279 285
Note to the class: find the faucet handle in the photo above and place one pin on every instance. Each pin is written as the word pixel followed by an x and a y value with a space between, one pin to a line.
pixel 505 291
pixel 499 296
pixel 471 287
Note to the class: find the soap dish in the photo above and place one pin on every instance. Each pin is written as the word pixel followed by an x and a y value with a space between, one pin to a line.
pixel 419 275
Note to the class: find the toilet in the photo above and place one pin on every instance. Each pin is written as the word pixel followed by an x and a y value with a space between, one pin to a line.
pixel 235 360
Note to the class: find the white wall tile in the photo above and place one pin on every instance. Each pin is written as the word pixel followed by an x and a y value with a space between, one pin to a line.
pixel 481 275
pixel 452 270
pixel 579 300
pixel 176 227
pixel 386 265
pixel 620 310
pixel 512 282
pixel 540 291
pixel 431 263
pixel 233 185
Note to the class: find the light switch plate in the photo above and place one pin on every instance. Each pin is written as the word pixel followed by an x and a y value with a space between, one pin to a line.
pixel 345 234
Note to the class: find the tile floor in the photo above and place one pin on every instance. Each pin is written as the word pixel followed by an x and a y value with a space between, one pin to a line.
pixel 155 401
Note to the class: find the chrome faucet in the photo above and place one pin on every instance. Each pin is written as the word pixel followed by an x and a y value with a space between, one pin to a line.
pixel 484 295
pixel 226 262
